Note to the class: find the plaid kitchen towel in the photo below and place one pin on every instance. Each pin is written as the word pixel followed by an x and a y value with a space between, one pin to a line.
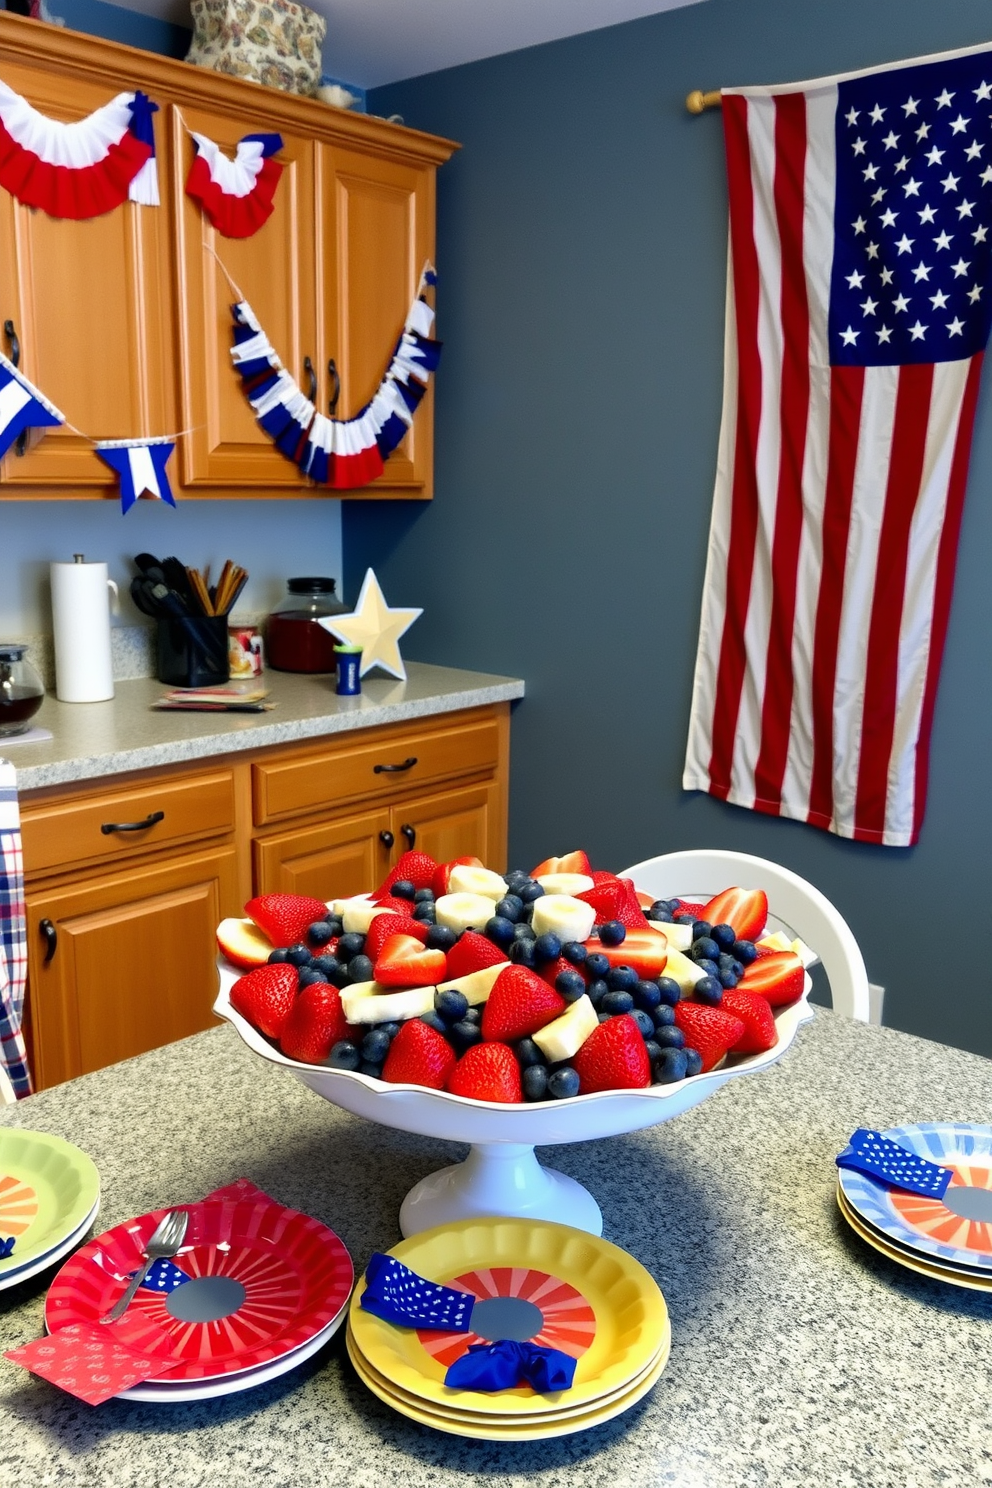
pixel 13 935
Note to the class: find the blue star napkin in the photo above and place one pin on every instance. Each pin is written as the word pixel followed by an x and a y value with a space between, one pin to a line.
pixel 501 1365
pixel 398 1295
pixel 869 1152
pixel 163 1276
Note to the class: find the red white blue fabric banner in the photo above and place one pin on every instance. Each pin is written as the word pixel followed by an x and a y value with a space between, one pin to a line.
pixel 84 168
pixel 235 195
pixel 858 309
pixel 140 466
pixel 22 406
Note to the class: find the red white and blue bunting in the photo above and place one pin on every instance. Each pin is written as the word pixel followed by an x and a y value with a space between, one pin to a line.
pixel 140 466
pixel 84 168
pixel 235 195
pixel 22 406
pixel 340 453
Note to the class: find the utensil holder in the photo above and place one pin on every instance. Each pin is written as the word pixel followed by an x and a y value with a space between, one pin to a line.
pixel 192 651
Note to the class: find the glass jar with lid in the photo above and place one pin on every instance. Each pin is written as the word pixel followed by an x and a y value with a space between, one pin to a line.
pixel 21 690
pixel 295 641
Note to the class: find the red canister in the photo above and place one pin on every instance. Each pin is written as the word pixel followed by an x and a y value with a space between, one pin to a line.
pixel 295 641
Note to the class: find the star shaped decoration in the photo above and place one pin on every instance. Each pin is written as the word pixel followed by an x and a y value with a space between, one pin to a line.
pixel 960 124
pixel 375 627
pixel 909 107
pixel 888 218
pixel 983 92
pixel 849 336
pixel 943 100
pixel 884 335
pixel 917 332
pixel 928 214
pixel 934 156
pixel 900 303
pixel 943 240
pixel 955 326
pixel 921 271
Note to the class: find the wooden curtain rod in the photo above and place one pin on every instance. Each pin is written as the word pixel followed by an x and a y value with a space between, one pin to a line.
pixel 698 101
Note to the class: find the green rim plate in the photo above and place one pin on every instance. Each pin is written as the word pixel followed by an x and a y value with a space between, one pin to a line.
pixel 47 1188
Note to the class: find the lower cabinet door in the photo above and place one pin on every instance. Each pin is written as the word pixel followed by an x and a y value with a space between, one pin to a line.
pixel 452 824
pixel 337 858
pixel 125 963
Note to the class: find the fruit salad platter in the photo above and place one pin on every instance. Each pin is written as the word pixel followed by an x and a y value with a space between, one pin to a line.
pixel 512 1010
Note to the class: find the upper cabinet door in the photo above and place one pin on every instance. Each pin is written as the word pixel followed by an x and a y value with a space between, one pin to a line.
pixel 274 272
pixel 90 304
pixel 376 231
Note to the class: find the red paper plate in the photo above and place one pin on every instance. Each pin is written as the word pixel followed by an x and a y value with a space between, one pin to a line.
pixel 270 1278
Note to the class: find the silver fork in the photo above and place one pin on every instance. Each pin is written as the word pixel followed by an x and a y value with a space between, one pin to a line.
pixel 165 1240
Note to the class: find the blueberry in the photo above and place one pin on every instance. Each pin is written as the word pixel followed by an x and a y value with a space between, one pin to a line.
pixel 359 969
pixel 724 935
pixel 670 991
pixel 435 1021
pixel 319 933
pixel 669 1066
pixel 563 1083
pixel 744 950
pixel 700 928
pixel 661 916
pixel 472 1015
pixel 521 953
pixel 368 1067
pixel 515 879
pixel 424 912
pixel 597 965
pixel 669 1038
pixel 338 974
pixel 389 1029
pixel 510 907
pixel 464 1034
pixel 647 995
pixel 663 1016
pixel 709 991
pixel 708 968
pixel 653 1049
pixel 613 933
pixel 298 955
pixel 547 947
pixel 451 1005
pixel 534 1081
pixel 622 978
pixel 309 975
pixel 728 979
pixel 602 1017
pixel 374 1046
pixel 279 956
pixel 440 938
pixel 529 1053
pixel 523 931
pixel 530 891
pixel 705 948
pixel 424 896
pixel 574 951
pixel 344 1056
pixel 693 1061
pixel 684 919
pixel 644 1022
pixel 661 907
pixel 335 923
pixel 350 945
pixel 499 930
pixel 403 889
pixel 327 964
pixel 571 985
pixel 596 991
pixel 617 1002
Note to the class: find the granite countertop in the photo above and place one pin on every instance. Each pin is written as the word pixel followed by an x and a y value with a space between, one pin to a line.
pixel 800 1357
pixel 92 740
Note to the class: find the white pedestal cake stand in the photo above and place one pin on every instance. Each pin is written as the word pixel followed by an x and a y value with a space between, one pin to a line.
pixel 501 1174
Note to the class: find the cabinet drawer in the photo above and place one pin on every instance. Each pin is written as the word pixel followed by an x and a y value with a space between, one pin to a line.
pixel 370 770
pixel 61 833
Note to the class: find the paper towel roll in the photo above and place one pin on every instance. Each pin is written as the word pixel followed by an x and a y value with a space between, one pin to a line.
pixel 81 619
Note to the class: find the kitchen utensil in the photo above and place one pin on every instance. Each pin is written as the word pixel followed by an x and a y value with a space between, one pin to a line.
pixel 294 639
pixel 81 621
pixel 166 1239
pixel 21 690
pixel 192 650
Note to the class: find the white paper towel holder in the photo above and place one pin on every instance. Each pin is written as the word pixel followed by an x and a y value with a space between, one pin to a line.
pixel 81 624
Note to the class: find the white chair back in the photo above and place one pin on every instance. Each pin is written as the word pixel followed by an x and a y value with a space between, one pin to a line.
pixel 794 906
pixel 7 1096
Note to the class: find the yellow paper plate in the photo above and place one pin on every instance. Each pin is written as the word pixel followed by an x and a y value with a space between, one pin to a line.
pixel 47 1188
pixel 595 1302
pixel 494 1429
pixel 455 1411
pixel 905 1258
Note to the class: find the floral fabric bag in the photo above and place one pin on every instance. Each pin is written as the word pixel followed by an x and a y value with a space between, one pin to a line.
pixel 275 42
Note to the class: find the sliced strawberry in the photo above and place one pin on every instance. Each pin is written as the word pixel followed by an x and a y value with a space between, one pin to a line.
pixel 600 875
pixel 285 918
pixel 573 862
pixel 405 961
pixel 607 897
pixel 419 1055
pixel 614 1057
pixel 266 997
pixel 754 1012
pixel 395 906
pixel 631 914
pixel 471 953
pixel 385 925
pixel 488 1072
pixel 417 868
pixel 745 909
pixel 685 907
pixel 709 1030
pixel 645 950
pixel 519 1004
pixel 315 1024
pixel 779 978
pixel 552 969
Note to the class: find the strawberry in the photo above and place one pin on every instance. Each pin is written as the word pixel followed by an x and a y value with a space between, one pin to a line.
pixel 607 898
pixel 439 883
pixel 315 1024
pixel 419 1055
pixel 266 996
pixel 745 909
pixel 573 862
pixel 709 1030
pixel 631 914
pixel 779 978
pixel 684 907
pixel 645 950
pixel 395 906
pixel 385 925
pixel 285 918
pixel 405 961
pixel 471 953
pixel 760 1032
pixel 614 1057
pixel 520 1004
pixel 551 969
pixel 488 1072
pixel 417 868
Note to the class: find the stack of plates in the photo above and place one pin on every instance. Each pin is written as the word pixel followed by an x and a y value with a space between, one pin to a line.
pixel 949 1239
pixel 49 1197
pixel 268 1287
pixel 546 1283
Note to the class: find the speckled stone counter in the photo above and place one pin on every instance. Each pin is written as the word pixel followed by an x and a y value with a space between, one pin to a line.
pixel 91 740
pixel 800 1357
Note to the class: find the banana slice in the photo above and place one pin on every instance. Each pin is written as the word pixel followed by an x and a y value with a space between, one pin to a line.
pixel 566 1035
pixel 679 937
pixel 367 1002
pixel 568 918
pixel 464 878
pixel 777 941
pixel 460 912
pixel 475 985
pixel 356 914
pixel 682 970
pixel 566 883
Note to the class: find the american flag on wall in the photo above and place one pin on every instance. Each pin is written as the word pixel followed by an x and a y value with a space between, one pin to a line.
pixel 859 302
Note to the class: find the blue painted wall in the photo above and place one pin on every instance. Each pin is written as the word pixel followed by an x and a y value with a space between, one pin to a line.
pixel 115 23
pixel 582 236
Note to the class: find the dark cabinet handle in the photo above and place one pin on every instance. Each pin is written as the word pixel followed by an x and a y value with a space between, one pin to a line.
pixel 407 764
pixel 387 839
pixel 410 833
pixel 51 935
pixel 141 826
pixel 312 376
pixel 332 372
pixel 15 357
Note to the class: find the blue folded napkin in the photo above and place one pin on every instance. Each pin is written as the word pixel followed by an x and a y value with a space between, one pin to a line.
pixel 6 1247
pixel 501 1365
pixel 163 1276
pixel 869 1152
pixel 398 1295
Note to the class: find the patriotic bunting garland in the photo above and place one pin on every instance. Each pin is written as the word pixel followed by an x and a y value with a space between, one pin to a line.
pixel 340 453
pixel 235 195
pixel 140 465
pixel 22 406
pixel 84 168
